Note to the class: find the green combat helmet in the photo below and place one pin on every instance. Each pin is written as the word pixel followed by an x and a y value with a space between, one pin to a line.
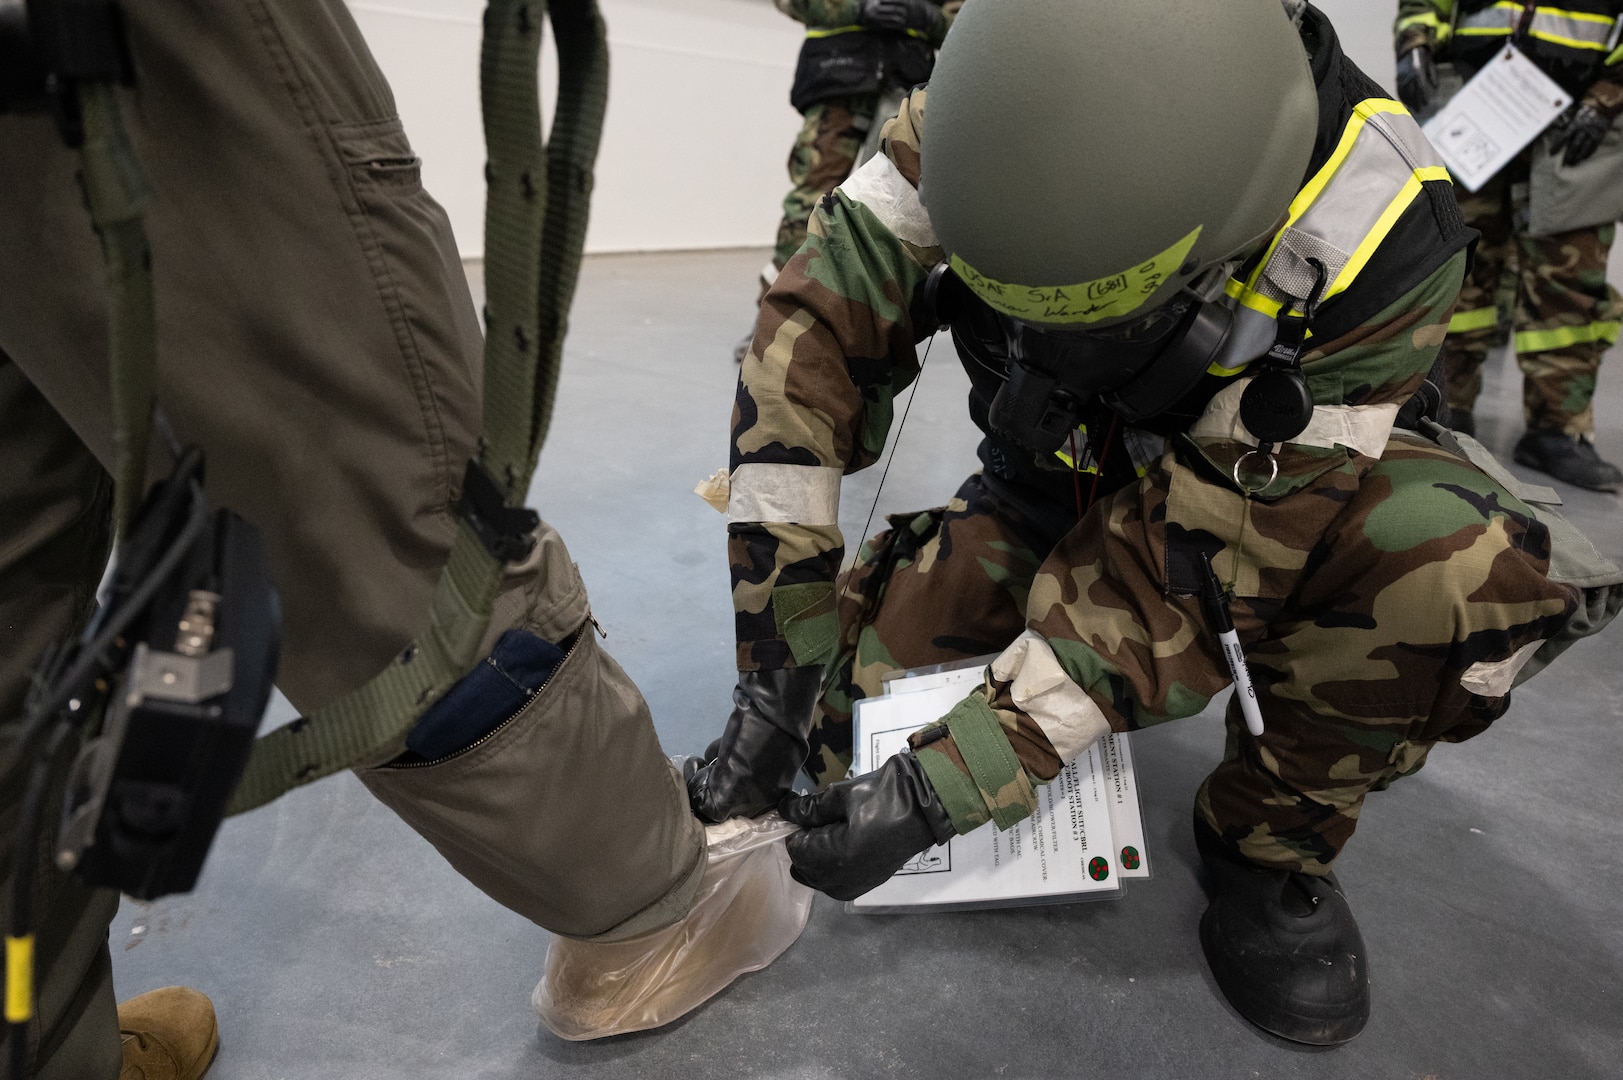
pixel 1085 160
pixel 1094 169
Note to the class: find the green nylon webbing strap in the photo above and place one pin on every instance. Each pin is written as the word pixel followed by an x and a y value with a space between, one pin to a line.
pixel 118 197
pixel 535 227
pixel 959 796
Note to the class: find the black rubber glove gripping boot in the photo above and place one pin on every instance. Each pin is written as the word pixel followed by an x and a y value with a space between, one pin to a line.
pixel 857 833
pixel 753 764
pixel 1417 79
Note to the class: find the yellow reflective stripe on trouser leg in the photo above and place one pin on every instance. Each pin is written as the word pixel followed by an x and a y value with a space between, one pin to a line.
pixel 1429 18
pixel 19 979
pixel 1533 341
pixel 1480 319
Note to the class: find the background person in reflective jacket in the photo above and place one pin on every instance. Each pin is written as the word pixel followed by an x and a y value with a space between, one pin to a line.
pixel 1134 256
pixel 860 56
pixel 1548 216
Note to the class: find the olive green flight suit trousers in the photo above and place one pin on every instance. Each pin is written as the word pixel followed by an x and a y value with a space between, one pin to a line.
pixel 317 340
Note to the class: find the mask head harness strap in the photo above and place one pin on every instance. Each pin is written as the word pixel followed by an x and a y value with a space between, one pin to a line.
pixel 1277 406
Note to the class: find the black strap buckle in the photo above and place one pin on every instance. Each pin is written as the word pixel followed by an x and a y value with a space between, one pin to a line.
pixel 505 531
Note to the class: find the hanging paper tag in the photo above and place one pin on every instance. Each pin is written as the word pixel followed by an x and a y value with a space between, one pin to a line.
pixel 1495 117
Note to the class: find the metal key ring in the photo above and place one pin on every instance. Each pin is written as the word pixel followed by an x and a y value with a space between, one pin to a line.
pixel 1272 476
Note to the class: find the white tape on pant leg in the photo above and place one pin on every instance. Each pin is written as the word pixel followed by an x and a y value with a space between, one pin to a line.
pixel 793 494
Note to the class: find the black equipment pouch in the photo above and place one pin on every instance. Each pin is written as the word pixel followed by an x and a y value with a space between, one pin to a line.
pixel 147 795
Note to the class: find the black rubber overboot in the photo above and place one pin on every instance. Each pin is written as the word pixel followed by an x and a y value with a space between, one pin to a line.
pixel 1571 458
pixel 1284 948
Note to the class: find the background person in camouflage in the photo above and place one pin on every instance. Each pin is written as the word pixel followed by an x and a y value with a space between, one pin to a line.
pixel 856 53
pixel 1564 313
pixel 1386 590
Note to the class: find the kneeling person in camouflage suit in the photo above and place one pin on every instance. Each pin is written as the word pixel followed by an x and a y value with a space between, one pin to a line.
pixel 1260 294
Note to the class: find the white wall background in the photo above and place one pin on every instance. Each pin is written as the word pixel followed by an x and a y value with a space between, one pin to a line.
pixel 699 123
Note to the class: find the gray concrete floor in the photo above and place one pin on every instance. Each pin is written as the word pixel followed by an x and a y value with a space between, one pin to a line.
pixel 336 944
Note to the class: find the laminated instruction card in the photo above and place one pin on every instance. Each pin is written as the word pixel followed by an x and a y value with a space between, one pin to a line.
pixel 1085 837
pixel 1494 117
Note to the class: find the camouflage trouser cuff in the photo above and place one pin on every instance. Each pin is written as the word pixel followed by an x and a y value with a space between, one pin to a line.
pixel 996 787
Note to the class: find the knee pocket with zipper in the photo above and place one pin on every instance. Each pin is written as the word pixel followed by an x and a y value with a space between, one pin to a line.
pixel 568 811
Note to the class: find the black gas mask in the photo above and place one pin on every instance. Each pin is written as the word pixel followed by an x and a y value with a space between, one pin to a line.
pixel 1139 369
pixel 1143 369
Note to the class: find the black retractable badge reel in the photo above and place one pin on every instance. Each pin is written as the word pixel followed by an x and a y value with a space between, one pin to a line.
pixel 1277 406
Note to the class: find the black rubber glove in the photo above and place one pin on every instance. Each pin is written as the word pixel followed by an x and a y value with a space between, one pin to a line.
pixel 901 15
pixel 753 764
pixel 857 833
pixel 1417 79
pixel 1581 133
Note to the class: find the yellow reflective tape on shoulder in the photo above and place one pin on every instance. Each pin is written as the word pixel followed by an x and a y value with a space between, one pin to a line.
pixel 1376 237
pixel 1252 299
pixel 1362 112
pixel 1531 341
pixel 1309 194
pixel 830 31
pixel 19 979
pixel 1480 319
pixel 1433 172
pixel 1089 302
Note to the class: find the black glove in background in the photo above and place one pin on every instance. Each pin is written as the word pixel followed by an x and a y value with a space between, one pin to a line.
pixel 1417 79
pixel 1581 134
pixel 901 15
pixel 857 833
pixel 754 763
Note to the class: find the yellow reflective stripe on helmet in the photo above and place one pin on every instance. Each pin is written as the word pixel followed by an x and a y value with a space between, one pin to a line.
pixel 1090 301
pixel 1531 341
pixel 1480 319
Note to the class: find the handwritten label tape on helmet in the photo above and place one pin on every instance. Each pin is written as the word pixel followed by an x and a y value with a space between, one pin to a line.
pixel 1104 298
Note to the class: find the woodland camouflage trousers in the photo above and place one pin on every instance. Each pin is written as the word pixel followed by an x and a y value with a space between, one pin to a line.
pixel 1564 313
pixel 824 154
pixel 952 583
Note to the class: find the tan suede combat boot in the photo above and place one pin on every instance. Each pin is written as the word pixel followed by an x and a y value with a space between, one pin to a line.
pixel 169 1034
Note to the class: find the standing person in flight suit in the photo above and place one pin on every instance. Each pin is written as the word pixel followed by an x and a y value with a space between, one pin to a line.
pixel 1199 253
pixel 1551 214
pixel 859 56
pixel 317 340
